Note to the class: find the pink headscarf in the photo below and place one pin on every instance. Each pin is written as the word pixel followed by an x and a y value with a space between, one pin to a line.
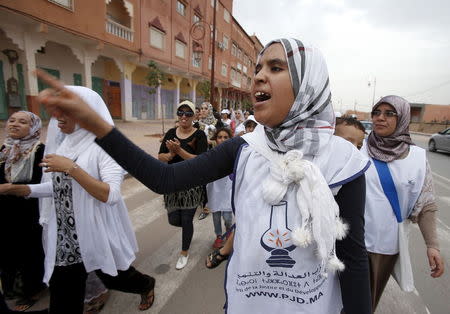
pixel 392 147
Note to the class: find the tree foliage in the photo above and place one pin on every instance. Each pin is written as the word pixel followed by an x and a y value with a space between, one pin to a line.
pixel 247 104
pixel 155 76
pixel 204 89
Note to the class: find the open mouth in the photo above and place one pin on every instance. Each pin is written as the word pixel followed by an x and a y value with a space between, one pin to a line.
pixel 61 123
pixel 261 96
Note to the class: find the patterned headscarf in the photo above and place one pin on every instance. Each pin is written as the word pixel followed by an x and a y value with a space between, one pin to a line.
pixel 17 154
pixel 209 120
pixel 309 125
pixel 392 147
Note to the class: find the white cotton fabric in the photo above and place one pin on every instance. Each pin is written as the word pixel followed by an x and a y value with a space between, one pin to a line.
pixel 319 212
pixel 219 195
pixel 105 234
pixel 252 285
pixel 240 128
pixel 381 227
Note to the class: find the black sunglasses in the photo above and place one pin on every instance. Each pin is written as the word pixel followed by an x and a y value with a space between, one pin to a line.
pixel 188 114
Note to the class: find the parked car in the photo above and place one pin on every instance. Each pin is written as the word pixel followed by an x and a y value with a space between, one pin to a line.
pixel 440 141
pixel 367 125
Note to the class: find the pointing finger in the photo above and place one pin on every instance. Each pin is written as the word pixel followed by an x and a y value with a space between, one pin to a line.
pixel 50 80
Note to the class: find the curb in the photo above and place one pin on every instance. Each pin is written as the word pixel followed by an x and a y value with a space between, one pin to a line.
pixel 420 133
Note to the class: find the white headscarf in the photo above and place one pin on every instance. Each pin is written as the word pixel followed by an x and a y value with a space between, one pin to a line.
pixel 241 119
pixel 71 145
pixel 309 124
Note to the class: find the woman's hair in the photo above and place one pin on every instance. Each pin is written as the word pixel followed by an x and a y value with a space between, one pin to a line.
pixel 347 120
pixel 219 123
pixel 226 130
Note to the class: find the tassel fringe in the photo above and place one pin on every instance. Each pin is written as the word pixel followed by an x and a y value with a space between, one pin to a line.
pixel 301 237
pixel 335 264
pixel 341 229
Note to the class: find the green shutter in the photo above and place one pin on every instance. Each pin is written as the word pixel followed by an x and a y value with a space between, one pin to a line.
pixel 77 81
pixel 3 107
pixel 42 86
pixel 23 100
pixel 97 85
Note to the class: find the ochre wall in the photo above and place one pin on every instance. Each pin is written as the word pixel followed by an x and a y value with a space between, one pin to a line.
pixel 436 113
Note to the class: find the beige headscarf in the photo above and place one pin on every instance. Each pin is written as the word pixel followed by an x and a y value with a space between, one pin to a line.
pixel 18 154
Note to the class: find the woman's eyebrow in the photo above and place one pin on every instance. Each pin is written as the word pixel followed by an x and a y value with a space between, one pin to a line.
pixel 277 61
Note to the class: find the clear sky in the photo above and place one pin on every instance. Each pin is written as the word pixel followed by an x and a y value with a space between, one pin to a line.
pixel 404 44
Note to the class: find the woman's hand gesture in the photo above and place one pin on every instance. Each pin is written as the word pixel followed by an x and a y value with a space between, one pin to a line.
pixel 436 262
pixel 56 163
pixel 59 100
pixel 173 146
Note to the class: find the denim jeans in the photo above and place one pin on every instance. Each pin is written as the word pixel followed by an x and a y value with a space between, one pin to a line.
pixel 227 218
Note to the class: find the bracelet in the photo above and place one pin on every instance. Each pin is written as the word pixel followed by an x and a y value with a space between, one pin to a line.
pixel 73 167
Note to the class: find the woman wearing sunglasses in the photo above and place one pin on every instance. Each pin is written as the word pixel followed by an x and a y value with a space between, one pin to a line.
pixel 182 143
pixel 399 190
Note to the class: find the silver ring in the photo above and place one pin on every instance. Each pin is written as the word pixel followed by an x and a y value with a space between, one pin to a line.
pixel 45 165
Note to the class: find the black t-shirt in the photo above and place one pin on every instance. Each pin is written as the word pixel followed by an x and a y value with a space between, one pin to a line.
pixel 194 144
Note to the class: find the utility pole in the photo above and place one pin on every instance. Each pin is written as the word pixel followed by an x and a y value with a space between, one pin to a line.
pixel 374 87
pixel 213 56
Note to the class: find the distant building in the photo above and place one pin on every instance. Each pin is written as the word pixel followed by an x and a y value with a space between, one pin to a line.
pixel 429 113
pixel 420 112
pixel 107 44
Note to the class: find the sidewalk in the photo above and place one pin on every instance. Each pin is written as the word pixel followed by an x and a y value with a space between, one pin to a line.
pixel 144 133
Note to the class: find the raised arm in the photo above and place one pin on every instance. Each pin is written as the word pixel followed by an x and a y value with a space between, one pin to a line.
pixel 163 178
pixel 355 279
pixel 159 177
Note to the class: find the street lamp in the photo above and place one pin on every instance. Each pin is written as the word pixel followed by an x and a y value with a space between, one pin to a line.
pixel 374 87
pixel 198 32
pixel 213 56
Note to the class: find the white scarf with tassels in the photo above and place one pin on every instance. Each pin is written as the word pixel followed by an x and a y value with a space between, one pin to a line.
pixel 320 222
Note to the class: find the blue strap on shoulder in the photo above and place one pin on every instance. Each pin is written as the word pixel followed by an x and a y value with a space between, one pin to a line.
pixel 388 187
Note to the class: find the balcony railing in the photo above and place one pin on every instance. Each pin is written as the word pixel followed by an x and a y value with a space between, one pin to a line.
pixel 119 30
